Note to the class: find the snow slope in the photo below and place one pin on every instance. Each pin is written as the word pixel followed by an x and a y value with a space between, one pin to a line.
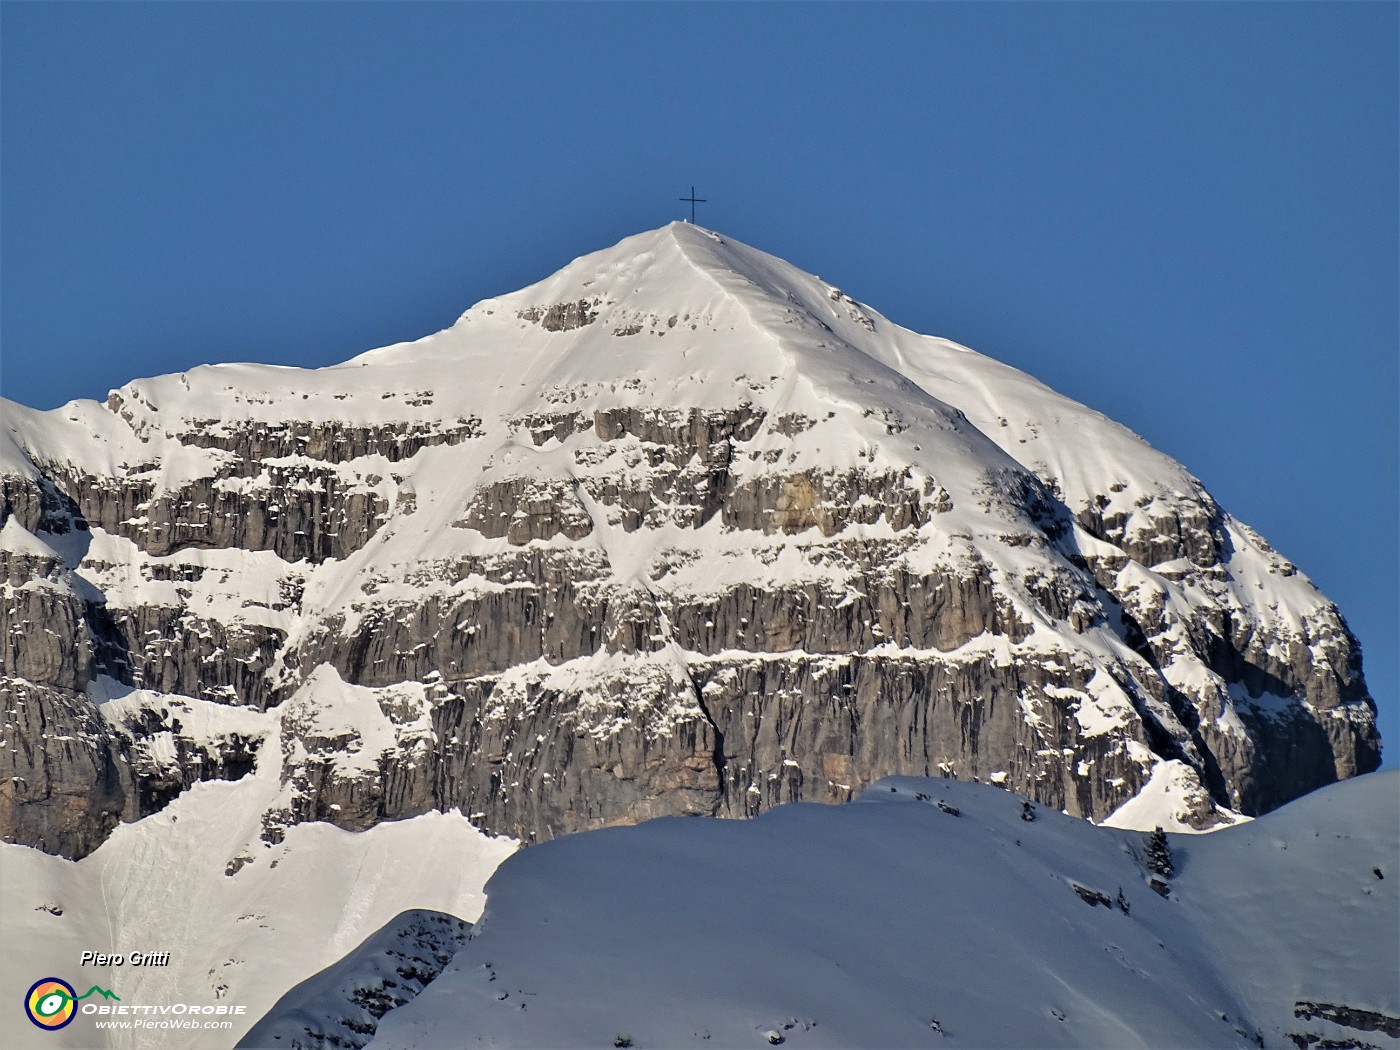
pixel 895 922
pixel 1172 799
pixel 243 919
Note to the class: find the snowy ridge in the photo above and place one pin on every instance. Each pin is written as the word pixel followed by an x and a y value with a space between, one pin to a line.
pixel 341 1006
pixel 935 913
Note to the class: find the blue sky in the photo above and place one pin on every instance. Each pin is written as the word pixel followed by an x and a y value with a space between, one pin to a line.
pixel 1183 215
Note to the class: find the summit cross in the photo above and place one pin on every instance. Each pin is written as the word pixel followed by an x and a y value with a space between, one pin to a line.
pixel 694 200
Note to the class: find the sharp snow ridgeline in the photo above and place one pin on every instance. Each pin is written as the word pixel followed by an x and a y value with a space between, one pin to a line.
pixel 680 529
pixel 928 913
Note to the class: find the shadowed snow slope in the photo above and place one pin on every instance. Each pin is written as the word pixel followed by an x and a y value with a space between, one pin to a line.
pixel 895 922
pixel 341 1005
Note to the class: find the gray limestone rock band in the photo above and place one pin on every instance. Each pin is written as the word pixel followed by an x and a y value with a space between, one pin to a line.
pixel 754 695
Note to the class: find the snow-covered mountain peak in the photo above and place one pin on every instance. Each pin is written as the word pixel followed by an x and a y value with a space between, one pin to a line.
pixel 682 306
pixel 680 529
pixel 672 309
pixel 679 266
pixel 679 495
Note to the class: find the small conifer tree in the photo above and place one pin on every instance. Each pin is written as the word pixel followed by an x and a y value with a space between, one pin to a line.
pixel 1159 854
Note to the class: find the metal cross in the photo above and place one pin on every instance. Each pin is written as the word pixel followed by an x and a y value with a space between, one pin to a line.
pixel 694 200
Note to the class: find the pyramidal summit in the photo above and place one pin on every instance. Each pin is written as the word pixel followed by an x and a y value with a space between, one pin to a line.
pixel 678 530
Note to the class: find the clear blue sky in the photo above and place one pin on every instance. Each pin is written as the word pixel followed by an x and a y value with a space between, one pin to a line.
pixel 1184 215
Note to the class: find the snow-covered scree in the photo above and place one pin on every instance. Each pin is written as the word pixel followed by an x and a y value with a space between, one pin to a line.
pixel 928 913
pixel 1172 799
pixel 242 918
pixel 680 529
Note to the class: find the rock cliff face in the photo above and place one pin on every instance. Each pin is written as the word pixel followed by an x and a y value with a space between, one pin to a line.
pixel 680 529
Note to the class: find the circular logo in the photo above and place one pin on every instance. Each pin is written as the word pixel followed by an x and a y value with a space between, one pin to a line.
pixel 51 1003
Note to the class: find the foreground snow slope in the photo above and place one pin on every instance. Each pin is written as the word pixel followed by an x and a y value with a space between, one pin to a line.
pixel 242 918
pixel 892 922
